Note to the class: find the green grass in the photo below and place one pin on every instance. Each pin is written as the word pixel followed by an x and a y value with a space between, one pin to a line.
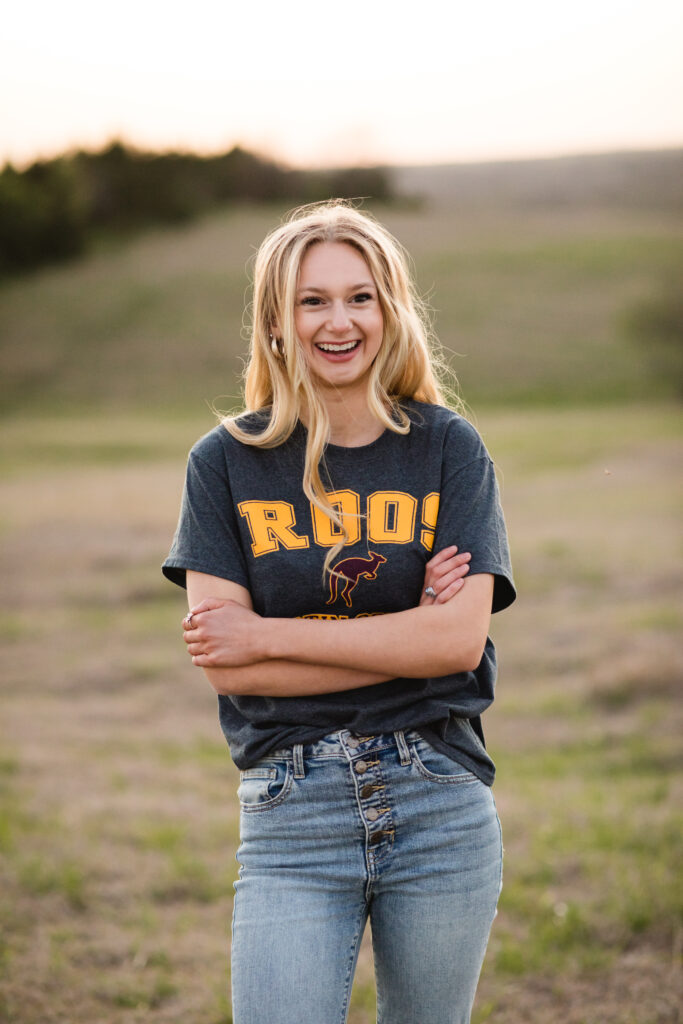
pixel 38 442
pixel 40 877
pixel 148 995
pixel 534 306
pixel 119 828
pixel 118 817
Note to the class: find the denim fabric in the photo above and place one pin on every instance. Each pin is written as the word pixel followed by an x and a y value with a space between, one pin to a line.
pixel 351 827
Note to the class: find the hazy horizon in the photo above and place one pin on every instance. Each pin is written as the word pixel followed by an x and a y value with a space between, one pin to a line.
pixel 311 87
pixel 539 157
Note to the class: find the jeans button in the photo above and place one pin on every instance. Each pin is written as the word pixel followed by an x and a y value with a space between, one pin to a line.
pixel 376 837
pixel 372 814
pixel 352 742
pixel 361 767
pixel 367 790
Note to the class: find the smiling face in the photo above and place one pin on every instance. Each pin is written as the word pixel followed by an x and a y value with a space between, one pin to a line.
pixel 337 315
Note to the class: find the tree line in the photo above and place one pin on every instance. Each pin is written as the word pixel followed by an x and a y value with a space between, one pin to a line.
pixel 53 209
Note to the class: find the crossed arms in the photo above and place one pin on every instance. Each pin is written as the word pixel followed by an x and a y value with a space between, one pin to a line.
pixel 245 654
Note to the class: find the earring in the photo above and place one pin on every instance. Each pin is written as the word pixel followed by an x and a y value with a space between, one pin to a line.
pixel 275 349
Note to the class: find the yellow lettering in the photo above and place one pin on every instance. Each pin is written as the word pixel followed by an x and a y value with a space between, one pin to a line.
pixel 430 510
pixel 271 524
pixel 391 517
pixel 325 531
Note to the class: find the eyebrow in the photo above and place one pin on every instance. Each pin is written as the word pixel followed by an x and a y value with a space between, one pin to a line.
pixel 322 291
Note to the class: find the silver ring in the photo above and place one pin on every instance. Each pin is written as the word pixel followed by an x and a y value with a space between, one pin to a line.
pixel 188 620
pixel 430 592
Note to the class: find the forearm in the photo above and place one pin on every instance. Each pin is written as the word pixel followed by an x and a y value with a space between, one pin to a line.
pixel 251 654
pixel 279 678
pixel 418 642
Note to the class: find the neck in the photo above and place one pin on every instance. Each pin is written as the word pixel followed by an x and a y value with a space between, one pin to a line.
pixel 352 424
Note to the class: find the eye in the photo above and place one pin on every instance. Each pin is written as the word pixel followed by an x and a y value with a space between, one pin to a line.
pixel 311 300
pixel 362 297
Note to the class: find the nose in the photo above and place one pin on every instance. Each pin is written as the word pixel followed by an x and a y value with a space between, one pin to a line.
pixel 339 317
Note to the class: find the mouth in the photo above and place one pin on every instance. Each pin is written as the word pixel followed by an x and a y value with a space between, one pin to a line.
pixel 338 348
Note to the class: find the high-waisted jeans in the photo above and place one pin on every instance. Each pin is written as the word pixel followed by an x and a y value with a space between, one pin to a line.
pixel 350 827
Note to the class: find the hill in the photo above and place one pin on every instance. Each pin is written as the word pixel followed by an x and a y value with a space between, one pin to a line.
pixel 534 269
pixel 634 180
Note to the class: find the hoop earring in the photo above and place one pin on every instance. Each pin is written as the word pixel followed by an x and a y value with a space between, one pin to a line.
pixel 274 347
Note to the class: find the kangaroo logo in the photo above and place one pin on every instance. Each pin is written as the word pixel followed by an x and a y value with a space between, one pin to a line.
pixel 351 570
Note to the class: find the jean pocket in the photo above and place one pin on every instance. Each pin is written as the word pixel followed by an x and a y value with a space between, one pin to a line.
pixel 265 785
pixel 437 767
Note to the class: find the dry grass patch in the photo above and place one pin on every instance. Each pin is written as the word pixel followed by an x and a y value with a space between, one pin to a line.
pixel 118 821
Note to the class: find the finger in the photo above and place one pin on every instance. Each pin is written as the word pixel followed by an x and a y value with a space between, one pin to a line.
pixel 428 598
pixel 448 577
pixel 201 660
pixel 195 649
pixel 458 563
pixel 443 554
pixel 435 569
pixel 462 556
pixel 450 591
pixel 191 620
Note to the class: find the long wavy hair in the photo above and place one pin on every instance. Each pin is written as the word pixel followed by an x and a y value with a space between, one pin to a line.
pixel 406 366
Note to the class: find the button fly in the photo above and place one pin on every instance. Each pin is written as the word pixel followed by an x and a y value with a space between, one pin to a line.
pixel 361 767
pixel 352 742
pixel 367 790
pixel 376 837
pixel 372 814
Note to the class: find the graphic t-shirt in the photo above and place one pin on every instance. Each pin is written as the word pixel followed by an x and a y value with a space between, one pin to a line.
pixel 404 497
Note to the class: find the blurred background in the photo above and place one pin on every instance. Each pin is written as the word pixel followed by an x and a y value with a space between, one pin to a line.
pixel 531 161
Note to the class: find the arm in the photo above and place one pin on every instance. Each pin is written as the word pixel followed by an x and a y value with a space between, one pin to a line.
pixel 212 599
pixel 425 641
pixel 271 677
pixel 439 639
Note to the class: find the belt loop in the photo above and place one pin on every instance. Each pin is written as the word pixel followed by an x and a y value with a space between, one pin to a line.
pixel 402 747
pixel 298 755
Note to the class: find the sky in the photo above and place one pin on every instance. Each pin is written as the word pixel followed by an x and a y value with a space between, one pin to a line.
pixel 327 84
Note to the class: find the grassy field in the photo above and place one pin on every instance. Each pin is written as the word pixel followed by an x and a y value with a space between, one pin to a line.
pixel 530 305
pixel 119 821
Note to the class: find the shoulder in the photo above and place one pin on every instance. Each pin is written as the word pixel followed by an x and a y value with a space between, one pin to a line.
pixel 219 444
pixel 459 440
pixel 211 447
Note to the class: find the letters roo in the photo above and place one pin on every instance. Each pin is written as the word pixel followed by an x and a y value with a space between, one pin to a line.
pixel 351 570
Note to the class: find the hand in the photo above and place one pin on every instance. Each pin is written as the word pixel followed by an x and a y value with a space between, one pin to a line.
pixel 445 573
pixel 221 633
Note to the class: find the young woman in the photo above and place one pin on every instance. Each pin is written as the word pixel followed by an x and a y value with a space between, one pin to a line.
pixel 343 547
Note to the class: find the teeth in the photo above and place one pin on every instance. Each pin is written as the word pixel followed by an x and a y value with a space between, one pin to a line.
pixel 346 347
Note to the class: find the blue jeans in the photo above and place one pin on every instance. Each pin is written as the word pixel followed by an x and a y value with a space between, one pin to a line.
pixel 350 827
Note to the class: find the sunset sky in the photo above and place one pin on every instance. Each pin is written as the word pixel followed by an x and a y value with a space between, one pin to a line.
pixel 316 83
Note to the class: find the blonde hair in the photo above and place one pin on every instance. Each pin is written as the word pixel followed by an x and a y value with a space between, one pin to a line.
pixel 405 366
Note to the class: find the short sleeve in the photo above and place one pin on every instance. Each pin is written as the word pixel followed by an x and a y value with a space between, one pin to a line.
pixel 470 515
pixel 207 536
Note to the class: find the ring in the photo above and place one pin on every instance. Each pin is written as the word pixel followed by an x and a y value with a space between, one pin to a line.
pixel 188 621
pixel 430 592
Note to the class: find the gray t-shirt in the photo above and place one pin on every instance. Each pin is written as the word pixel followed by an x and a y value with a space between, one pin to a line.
pixel 245 517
